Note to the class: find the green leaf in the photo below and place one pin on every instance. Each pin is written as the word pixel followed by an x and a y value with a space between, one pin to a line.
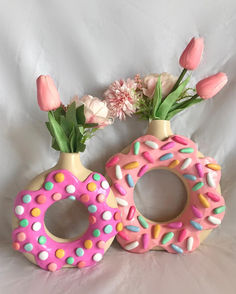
pixel 80 115
pixel 72 140
pixel 170 100
pixel 49 127
pixel 183 106
pixel 59 134
pixel 55 145
pixel 67 125
pixel 157 97
pixel 71 113
pixel 58 113
pixel 91 125
pixel 81 147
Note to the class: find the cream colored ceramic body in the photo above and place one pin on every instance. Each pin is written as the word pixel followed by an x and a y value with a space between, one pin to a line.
pixel 72 163
pixel 161 129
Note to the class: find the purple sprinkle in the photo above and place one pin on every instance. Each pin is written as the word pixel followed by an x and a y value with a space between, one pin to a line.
pixel 175 225
pixel 168 146
pixel 199 169
pixel 196 212
pixel 142 170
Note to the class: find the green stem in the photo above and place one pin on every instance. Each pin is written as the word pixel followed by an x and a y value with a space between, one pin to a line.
pixel 179 79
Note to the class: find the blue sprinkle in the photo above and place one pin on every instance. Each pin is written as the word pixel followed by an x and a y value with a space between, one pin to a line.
pixel 177 248
pixel 190 177
pixel 72 197
pixel 166 156
pixel 92 208
pixel 196 225
pixel 130 180
pixel 132 228
pixel 28 247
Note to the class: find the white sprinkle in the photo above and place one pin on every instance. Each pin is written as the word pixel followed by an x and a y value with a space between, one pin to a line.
pixel 132 245
pixel 214 220
pixel 210 180
pixel 151 144
pixel 190 243
pixel 70 189
pixel 105 185
pixel 118 172
pixel 186 163
pixel 43 255
pixel 36 226
pixel 121 202
pixel 107 215
pixel 97 257
pixel 19 209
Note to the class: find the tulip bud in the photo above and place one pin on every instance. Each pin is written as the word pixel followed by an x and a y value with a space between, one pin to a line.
pixel 210 86
pixel 47 94
pixel 192 54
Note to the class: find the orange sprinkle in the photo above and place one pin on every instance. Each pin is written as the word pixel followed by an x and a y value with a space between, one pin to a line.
pixel 131 165
pixel 203 201
pixel 92 219
pixel 41 199
pixel 91 187
pixel 35 212
pixel 88 244
pixel 81 264
pixel 59 177
pixel 214 166
pixel 60 253
pixel 116 216
pixel 173 163
pixel 156 231
pixel 84 198
pixel 119 227
pixel 16 245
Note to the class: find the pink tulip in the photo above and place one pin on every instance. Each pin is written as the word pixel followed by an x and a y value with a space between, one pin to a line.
pixel 192 54
pixel 47 94
pixel 210 86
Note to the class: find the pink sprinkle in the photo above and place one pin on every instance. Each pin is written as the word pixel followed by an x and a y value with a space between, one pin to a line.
pixel 120 189
pixel 213 197
pixel 168 146
pixel 180 140
pixel 199 169
pixel 145 240
pixel 196 212
pixel 123 235
pixel 175 225
pixel 114 160
pixel 131 212
pixel 182 235
pixel 142 170
pixel 148 156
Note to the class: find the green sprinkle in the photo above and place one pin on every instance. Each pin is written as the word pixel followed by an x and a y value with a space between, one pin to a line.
pixel 167 237
pixel 26 198
pixel 72 197
pixel 108 229
pixel 28 247
pixel 96 177
pixel 197 186
pixel 48 186
pixel 142 222
pixel 79 251
pixel 219 209
pixel 92 208
pixel 186 150
pixel 96 233
pixel 42 240
pixel 24 223
pixel 70 260
pixel 136 148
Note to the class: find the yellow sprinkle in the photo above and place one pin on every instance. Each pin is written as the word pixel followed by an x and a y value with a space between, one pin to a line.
pixel 60 253
pixel 59 177
pixel 203 201
pixel 35 212
pixel 214 166
pixel 156 231
pixel 88 244
pixel 173 163
pixel 131 165
pixel 91 187
pixel 119 227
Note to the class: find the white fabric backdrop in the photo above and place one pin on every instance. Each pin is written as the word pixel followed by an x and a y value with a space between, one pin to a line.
pixel 84 46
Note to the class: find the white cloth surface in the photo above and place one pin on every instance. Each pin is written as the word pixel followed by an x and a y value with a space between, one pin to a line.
pixel 84 46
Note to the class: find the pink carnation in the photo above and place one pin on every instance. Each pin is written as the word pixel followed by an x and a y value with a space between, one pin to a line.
pixel 121 98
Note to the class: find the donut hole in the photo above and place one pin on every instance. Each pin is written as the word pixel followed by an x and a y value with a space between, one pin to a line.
pixel 160 195
pixel 67 219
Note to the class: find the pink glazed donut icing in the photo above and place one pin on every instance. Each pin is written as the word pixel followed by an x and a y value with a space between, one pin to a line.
pixel 30 207
pixel 204 208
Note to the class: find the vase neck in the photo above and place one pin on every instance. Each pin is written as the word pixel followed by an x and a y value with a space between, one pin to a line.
pixel 72 163
pixel 160 129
